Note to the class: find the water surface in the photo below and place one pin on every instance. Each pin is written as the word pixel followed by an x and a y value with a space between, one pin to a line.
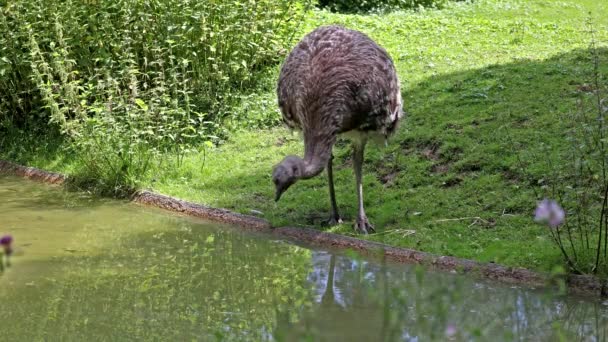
pixel 98 269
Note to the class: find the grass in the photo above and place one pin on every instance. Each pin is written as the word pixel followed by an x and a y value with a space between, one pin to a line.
pixel 484 85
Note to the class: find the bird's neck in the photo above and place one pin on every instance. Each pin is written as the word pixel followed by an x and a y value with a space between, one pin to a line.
pixel 317 153
pixel 312 168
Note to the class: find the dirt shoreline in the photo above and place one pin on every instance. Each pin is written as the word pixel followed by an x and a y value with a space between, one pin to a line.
pixel 579 284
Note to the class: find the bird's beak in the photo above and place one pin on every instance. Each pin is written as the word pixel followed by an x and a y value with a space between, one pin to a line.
pixel 281 188
pixel 278 195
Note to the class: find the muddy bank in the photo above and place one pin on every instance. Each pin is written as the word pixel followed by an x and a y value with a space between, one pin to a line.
pixel 576 283
pixel 192 209
pixel 31 173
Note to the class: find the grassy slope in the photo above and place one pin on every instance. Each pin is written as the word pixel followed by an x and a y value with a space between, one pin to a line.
pixel 480 81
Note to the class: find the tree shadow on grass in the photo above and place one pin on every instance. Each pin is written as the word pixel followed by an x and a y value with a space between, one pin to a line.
pixel 455 154
pixel 361 7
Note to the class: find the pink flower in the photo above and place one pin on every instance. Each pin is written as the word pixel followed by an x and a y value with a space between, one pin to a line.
pixel 551 212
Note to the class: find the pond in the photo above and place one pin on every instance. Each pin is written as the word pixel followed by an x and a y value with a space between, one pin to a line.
pixel 97 269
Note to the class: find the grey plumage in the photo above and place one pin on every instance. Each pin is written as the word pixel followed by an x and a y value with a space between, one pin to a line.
pixel 336 81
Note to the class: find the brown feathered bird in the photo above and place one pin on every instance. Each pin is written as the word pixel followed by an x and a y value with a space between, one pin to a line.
pixel 336 81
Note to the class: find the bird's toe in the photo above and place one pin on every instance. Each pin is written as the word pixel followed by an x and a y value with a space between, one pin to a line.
pixel 333 221
pixel 363 226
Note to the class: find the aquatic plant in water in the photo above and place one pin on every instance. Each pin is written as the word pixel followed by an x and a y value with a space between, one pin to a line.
pixel 6 242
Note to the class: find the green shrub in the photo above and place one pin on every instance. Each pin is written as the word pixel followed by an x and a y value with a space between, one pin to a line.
pixel 356 6
pixel 128 79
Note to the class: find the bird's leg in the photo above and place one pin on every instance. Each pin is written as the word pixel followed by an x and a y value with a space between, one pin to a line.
pixel 362 225
pixel 329 297
pixel 335 217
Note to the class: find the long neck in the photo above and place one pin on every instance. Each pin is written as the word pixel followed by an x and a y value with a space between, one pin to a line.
pixel 317 152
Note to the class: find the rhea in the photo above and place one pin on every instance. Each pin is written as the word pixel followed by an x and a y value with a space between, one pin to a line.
pixel 336 81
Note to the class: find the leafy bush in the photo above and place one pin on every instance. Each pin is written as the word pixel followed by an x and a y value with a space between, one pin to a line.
pixel 127 80
pixel 356 6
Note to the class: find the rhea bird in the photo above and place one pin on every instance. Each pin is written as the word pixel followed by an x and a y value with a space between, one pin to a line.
pixel 336 81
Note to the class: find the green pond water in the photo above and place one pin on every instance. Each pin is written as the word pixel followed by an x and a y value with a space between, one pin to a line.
pixel 89 269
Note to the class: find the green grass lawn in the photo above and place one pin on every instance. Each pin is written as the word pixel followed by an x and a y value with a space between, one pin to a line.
pixel 483 83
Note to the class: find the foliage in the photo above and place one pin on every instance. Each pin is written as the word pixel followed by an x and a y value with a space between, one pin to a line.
pixel 356 6
pixel 128 80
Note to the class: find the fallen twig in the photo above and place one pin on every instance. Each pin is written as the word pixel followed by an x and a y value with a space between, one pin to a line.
pixel 476 220
pixel 406 232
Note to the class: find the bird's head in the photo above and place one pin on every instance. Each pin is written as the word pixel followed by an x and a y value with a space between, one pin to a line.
pixel 285 174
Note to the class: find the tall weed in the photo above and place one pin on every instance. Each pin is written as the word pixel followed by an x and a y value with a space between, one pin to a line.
pixel 128 81
pixel 577 179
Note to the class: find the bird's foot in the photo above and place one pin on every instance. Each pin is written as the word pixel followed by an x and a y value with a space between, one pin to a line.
pixel 363 226
pixel 333 221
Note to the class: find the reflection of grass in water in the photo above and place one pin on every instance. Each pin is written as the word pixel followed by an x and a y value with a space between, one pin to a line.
pixel 385 303
pixel 174 284
pixel 118 271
